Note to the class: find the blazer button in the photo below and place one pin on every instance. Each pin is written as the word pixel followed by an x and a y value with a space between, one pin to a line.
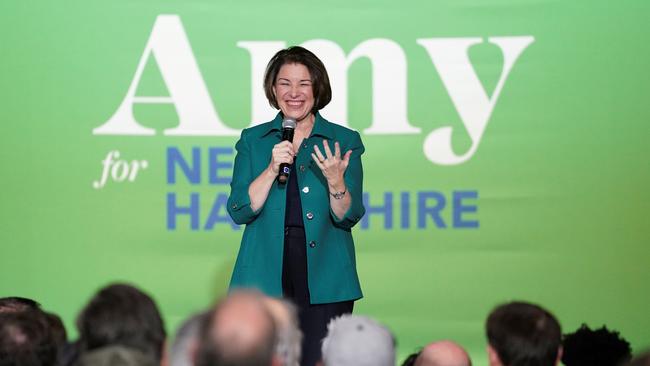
pixel 302 168
pixel 305 190
pixel 234 206
pixel 309 215
pixel 312 244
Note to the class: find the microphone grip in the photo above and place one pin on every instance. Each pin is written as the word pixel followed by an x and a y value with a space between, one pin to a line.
pixel 285 169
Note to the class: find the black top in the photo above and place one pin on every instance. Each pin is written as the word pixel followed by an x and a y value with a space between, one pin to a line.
pixel 293 213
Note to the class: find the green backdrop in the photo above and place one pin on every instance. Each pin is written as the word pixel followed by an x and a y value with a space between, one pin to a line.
pixel 484 182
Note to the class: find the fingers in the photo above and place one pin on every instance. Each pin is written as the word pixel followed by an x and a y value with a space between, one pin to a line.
pixel 337 150
pixel 315 158
pixel 284 159
pixel 326 146
pixel 346 157
pixel 319 155
pixel 284 146
pixel 332 166
pixel 282 152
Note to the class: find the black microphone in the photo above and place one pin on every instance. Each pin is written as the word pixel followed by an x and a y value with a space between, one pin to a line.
pixel 288 127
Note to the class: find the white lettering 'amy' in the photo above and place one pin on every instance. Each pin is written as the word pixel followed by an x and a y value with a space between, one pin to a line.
pixel 451 59
pixel 180 72
pixel 173 54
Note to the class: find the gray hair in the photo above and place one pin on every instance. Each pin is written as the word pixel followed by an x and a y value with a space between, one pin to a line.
pixel 359 341
pixel 288 334
pixel 185 338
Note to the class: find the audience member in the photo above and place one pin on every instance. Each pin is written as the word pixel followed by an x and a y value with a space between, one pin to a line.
pixel 288 334
pixel 120 325
pixel 22 304
pixel 523 334
pixel 410 359
pixel 17 304
pixel 600 347
pixel 354 340
pixel 186 341
pixel 58 330
pixel 240 331
pixel 443 353
pixel 641 360
pixel 26 339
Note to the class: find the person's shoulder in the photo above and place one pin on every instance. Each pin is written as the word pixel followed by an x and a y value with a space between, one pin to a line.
pixel 341 132
pixel 261 129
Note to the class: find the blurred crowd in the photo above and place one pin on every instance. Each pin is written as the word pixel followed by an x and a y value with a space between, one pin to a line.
pixel 122 326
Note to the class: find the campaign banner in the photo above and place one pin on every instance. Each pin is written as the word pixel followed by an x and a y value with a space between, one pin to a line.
pixel 506 154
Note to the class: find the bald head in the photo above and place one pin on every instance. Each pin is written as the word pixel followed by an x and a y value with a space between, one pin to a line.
pixel 240 331
pixel 443 353
pixel 242 321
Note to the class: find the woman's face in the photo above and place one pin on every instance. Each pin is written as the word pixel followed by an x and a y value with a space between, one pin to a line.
pixel 294 92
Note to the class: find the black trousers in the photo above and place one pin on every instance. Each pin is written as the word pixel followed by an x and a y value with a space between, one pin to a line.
pixel 313 318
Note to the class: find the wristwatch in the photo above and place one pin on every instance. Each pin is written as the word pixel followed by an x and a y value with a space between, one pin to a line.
pixel 339 195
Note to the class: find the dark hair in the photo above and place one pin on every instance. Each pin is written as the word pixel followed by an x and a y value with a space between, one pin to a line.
pixel 641 360
pixel 320 82
pixel 16 304
pixel 524 334
pixel 410 360
pixel 26 339
pixel 58 330
pixel 599 347
pixel 121 314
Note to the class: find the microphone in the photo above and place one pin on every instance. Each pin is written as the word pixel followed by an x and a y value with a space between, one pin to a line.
pixel 288 127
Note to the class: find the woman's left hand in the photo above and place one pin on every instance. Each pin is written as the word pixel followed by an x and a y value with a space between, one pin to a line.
pixel 332 165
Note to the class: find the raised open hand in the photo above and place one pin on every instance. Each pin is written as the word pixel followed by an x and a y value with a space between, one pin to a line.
pixel 333 166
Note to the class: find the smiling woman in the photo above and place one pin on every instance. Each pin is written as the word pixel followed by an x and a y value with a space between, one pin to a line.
pixel 293 92
pixel 298 243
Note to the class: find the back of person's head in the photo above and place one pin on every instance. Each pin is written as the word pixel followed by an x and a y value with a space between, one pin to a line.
pixel 238 332
pixel 443 353
pixel 523 334
pixel 641 360
pixel 287 330
pixel 17 304
pixel 58 329
pixel 186 340
pixel 359 341
pixel 410 359
pixel 600 347
pixel 26 339
pixel 121 315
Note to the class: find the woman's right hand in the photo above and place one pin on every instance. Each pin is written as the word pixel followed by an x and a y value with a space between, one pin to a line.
pixel 282 153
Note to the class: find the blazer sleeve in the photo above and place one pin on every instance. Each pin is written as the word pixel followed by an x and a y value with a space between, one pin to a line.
pixel 239 202
pixel 353 177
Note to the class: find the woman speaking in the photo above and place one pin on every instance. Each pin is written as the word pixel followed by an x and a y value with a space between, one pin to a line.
pixel 298 242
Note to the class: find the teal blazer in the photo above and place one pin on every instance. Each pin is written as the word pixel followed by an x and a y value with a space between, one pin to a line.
pixel 331 264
